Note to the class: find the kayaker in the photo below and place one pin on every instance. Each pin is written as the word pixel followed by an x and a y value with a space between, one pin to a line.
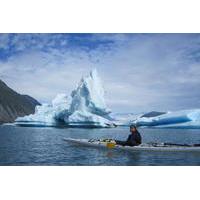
pixel 133 139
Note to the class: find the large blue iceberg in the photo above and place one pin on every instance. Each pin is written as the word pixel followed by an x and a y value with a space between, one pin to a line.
pixel 182 119
pixel 85 107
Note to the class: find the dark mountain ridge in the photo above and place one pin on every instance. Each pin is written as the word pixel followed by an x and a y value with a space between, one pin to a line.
pixel 13 104
pixel 153 114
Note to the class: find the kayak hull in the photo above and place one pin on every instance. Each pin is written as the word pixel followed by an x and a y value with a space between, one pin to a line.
pixel 143 147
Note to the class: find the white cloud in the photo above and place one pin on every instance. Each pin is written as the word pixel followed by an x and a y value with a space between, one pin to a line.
pixel 140 72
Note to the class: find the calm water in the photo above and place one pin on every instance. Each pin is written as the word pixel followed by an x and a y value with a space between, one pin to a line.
pixel 45 146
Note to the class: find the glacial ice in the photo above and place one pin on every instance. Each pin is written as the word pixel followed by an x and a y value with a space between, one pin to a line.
pixel 125 119
pixel 47 114
pixel 183 118
pixel 88 106
pixel 85 108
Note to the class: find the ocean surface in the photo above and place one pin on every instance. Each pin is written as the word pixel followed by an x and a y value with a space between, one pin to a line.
pixel 45 146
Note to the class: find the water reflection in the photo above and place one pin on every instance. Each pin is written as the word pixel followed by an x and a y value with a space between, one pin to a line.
pixel 45 146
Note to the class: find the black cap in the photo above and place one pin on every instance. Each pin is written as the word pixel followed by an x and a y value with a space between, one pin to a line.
pixel 133 126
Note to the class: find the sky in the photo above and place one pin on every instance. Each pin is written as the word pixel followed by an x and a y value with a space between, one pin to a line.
pixel 140 72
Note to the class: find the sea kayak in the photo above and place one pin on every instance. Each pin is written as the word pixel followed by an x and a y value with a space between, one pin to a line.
pixel 143 147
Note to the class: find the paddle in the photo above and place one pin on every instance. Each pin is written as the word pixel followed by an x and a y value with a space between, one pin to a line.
pixel 182 145
pixel 110 144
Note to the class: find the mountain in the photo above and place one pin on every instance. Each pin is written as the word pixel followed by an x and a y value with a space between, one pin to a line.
pixel 13 105
pixel 153 114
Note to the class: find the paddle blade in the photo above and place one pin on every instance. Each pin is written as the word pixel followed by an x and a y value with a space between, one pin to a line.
pixel 110 144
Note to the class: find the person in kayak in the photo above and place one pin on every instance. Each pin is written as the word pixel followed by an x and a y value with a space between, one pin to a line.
pixel 133 139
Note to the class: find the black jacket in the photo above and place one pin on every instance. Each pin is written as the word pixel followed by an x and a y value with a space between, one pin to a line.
pixel 134 139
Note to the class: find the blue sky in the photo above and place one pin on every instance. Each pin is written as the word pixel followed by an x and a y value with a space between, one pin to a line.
pixel 140 72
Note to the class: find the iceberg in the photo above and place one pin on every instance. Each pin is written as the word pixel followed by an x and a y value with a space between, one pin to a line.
pixel 125 119
pixel 184 118
pixel 85 107
pixel 88 108
pixel 47 114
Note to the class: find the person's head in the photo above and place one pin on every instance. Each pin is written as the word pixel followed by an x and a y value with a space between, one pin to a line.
pixel 133 129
